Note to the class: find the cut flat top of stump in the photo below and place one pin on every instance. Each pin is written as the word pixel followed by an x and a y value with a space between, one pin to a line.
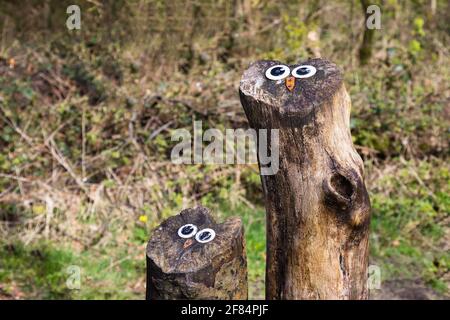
pixel 173 254
pixel 307 93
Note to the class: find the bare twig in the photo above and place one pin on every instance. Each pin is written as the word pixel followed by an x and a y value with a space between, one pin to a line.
pixel 16 128
pixel 159 130
pixel 65 163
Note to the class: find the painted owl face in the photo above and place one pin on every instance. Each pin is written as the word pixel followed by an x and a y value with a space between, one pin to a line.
pixel 190 230
pixel 293 89
pixel 191 240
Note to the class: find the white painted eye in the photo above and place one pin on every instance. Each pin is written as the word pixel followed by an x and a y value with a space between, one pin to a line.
pixel 187 231
pixel 277 72
pixel 205 235
pixel 304 71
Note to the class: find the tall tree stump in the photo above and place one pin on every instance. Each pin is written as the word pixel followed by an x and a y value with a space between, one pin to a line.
pixel 318 209
pixel 184 268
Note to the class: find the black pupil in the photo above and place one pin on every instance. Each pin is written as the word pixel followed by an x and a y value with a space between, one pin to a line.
pixel 205 235
pixel 278 71
pixel 302 71
pixel 187 230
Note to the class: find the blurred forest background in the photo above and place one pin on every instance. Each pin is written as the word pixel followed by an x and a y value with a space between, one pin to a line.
pixel 86 118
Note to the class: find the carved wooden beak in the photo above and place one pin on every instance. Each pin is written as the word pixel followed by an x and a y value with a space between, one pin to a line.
pixel 290 83
pixel 188 243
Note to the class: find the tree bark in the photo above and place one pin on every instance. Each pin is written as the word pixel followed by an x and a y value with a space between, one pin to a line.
pixel 317 206
pixel 365 51
pixel 179 268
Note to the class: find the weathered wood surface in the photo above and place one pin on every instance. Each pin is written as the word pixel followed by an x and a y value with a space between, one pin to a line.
pixel 179 268
pixel 318 209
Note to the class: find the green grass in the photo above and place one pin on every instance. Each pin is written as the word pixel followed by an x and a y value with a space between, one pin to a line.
pixel 37 269
pixel 407 233
pixel 114 272
pixel 43 271
pixel 404 243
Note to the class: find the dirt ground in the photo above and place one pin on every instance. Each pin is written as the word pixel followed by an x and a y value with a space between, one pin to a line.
pixel 405 290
